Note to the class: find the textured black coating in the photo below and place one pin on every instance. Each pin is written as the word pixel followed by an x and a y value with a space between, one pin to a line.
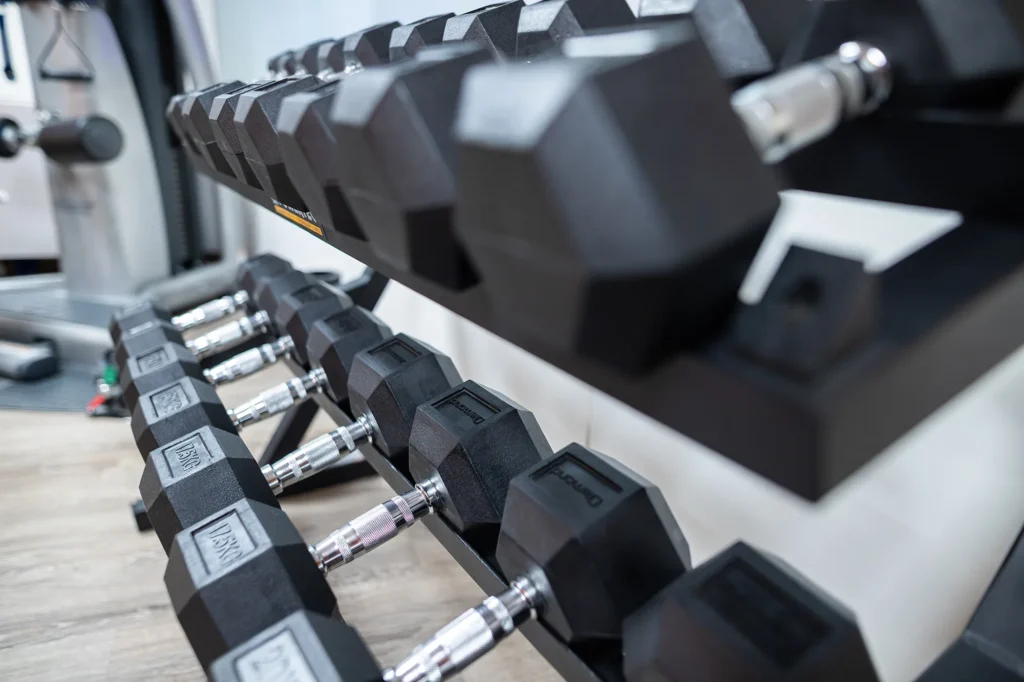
pixel 239 571
pixel 409 39
pixel 305 646
pixel 268 293
pixel 625 298
pixel 334 342
pixel 543 25
pixel 474 441
pixel 144 338
pixel 390 380
pixel 157 368
pixel 197 475
pixel 745 617
pixel 602 536
pixel 136 315
pixel 493 26
pixel 167 414
pixel 300 308
pixel 395 159
pixel 196 111
pixel 222 123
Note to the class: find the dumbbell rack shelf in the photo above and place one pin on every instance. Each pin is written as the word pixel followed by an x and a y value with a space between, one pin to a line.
pixel 605 667
pixel 957 297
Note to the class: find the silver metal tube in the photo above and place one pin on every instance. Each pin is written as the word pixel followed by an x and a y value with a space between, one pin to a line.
pixel 278 399
pixel 792 109
pixel 211 311
pixel 229 335
pixel 469 636
pixel 316 455
pixel 249 362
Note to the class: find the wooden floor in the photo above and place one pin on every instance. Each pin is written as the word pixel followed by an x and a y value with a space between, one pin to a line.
pixel 81 590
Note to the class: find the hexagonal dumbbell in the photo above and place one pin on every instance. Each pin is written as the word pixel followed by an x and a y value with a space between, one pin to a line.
pixel 249 274
pixel 746 617
pixel 464 448
pixel 196 475
pixel 386 384
pixel 543 25
pixel 559 265
pixel 304 646
pixel 584 541
pixel 256 124
pixel 396 156
pixel 208 469
pixel 172 411
pixel 494 27
pixel 409 39
pixel 358 50
pixel 195 111
pixel 237 572
pixel 333 343
pixel 155 369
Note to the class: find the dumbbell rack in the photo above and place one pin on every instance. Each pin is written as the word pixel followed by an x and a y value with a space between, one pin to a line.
pixel 482 570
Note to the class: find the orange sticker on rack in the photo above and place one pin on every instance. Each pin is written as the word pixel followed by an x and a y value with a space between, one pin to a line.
pixel 315 229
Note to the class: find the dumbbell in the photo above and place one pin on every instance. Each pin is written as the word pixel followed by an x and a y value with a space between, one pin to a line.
pixel 991 647
pixel 559 263
pixel 205 470
pixel 307 141
pixel 248 275
pixel 171 410
pixel 304 647
pixel 584 542
pixel 463 450
pixel 303 134
pixel 239 571
pixel 744 616
pixel 83 139
pixel 332 346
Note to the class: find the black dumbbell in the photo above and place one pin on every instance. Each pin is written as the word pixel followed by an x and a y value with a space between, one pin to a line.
pixel 584 542
pixel 304 136
pixel 249 273
pixel 304 647
pixel 333 344
pixel 991 647
pixel 543 25
pixel 295 313
pixel 238 572
pixel 195 116
pixel 208 469
pixel 745 617
pixel 559 264
pixel 395 159
pixel 409 39
pixel 164 415
pixel 464 448
pixel 494 27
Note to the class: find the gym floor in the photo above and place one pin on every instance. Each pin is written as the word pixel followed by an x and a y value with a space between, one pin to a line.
pixel 81 590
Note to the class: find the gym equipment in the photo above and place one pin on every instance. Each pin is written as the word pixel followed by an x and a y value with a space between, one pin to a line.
pixel 196 475
pixel 744 616
pixel 237 572
pixel 27 361
pixel 84 139
pixel 542 25
pixel 249 274
pixel 746 38
pixel 584 542
pixel 206 470
pixel 155 369
pixel 395 157
pixel 195 123
pixel 406 41
pixel 304 647
pixel 166 414
pixel 464 449
pixel 333 344
pixel 493 26
pixel 521 185
pixel 304 137
pixel 145 338
pixel 991 647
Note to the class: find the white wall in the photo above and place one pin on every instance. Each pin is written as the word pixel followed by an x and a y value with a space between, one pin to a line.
pixel 909 543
